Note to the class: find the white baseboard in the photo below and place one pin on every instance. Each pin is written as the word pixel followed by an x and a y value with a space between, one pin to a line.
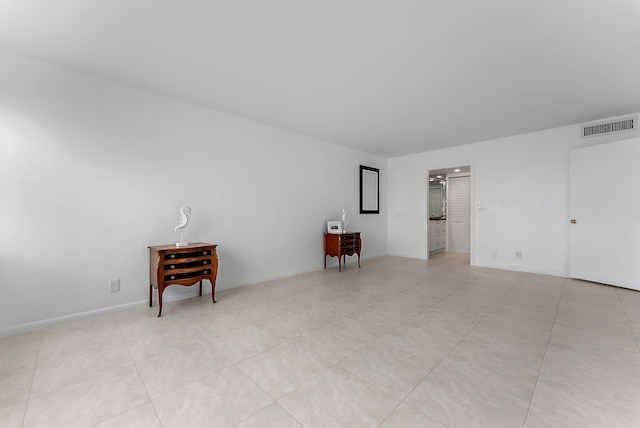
pixel 523 269
pixel 43 324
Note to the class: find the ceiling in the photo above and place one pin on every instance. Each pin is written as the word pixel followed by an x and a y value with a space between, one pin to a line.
pixel 386 77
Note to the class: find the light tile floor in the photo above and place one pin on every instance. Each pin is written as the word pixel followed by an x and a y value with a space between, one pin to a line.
pixel 397 343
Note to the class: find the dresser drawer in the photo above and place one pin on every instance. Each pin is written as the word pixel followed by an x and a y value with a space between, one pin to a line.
pixel 186 275
pixel 187 255
pixel 349 241
pixel 195 264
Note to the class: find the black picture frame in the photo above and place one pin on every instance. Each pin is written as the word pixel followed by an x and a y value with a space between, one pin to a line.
pixel 369 190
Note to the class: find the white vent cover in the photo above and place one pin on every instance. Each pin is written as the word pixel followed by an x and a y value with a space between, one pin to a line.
pixel 628 124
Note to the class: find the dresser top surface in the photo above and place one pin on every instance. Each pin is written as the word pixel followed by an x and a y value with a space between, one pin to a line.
pixel 189 246
pixel 341 233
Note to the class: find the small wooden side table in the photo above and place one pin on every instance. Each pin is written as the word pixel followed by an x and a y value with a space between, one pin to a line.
pixel 186 265
pixel 341 245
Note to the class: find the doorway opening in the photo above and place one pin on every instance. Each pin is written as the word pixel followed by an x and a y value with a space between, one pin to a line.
pixel 448 212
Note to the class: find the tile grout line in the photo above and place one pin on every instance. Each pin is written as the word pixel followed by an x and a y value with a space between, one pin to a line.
pixel 533 393
pixel 626 314
pixel 33 376
pixel 374 339
pixel 146 390
pixel 276 401
pixel 451 350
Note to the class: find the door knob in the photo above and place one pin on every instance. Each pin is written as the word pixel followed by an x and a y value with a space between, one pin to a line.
pixel 573 221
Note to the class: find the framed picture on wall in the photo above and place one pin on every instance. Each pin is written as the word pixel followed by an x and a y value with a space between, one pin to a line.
pixel 334 227
pixel 369 190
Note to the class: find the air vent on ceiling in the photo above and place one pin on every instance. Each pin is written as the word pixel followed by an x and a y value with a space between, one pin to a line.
pixel 628 124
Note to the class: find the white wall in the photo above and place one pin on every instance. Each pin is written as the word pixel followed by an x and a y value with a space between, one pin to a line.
pixel 92 172
pixel 521 181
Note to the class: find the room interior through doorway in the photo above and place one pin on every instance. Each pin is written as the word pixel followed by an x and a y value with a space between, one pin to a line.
pixel 443 235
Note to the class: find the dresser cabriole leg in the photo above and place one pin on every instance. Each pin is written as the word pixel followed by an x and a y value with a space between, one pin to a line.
pixel 160 291
pixel 214 275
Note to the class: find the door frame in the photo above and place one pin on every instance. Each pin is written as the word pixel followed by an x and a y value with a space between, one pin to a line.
pixel 472 204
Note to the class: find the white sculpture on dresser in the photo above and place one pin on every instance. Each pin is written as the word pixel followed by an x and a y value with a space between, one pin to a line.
pixel 184 222
pixel 344 220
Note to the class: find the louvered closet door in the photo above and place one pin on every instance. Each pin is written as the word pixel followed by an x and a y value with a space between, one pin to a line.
pixel 458 214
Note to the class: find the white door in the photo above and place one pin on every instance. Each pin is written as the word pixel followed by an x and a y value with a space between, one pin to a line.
pixel 458 214
pixel 604 202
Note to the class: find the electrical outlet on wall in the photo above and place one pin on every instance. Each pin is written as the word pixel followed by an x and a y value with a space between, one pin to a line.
pixel 494 255
pixel 518 255
pixel 114 285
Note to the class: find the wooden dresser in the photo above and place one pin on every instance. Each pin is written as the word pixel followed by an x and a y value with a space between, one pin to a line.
pixel 341 245
pixel 186 265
